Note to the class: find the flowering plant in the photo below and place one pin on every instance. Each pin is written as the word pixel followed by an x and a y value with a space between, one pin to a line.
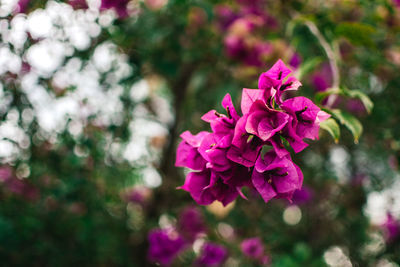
pixel 233 155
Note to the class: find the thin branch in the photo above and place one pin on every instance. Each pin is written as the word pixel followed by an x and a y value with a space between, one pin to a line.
pixel 330 53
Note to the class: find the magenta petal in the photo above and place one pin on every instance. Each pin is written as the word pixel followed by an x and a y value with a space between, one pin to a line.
pixel 207 143
pixel 300 175
pixel 266 191
pixel 188 156
pixel 265 130
pixel 266 82
pixel 278 71
pixel 288 183
pixel 240 134
pixel 291 84
pixel 195 184
pixel 322 116
pixel 265 122
pixel 270 162
pixel 246 157
pixel 249 96
pixel 229 194
pixel 253 121
pixel 193 140
pixel 294 140
pixel 307 116
pixel 218 159
pixel 279 148
pixel 241 193
pixel 228 105
pixel 210 116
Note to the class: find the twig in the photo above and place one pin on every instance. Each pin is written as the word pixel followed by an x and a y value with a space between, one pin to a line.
pixel 330 53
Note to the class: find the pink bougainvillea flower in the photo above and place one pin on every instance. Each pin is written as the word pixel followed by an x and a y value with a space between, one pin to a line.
pixel 265 122
pixel 391 228
pixel 165 245
pixel 191 223
pixel 245 147
pixel 221 124
pixel 187 154
pixel 213 148
pixel 230 157
pixel 295 141
pixel 275 78
pixel 307 116
pixel 225 15
pixel 249 96
pixel 252 248
pixel 278 146
pixel 205 187
pixel 278 72
pixel 275 177
pixel 212 255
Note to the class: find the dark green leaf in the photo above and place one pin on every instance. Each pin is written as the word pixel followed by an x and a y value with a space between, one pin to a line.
pixel 349 121
pixel 331 126
pixel 319 97
pixel 368 104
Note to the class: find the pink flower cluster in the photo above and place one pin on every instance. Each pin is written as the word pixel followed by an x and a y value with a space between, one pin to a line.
pixel 240 29
pixel 253 248
pixel 166 244
pixel 232 155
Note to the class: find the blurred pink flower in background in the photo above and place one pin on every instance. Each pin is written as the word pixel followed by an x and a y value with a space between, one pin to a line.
pixel 212 255
pixel 391 228
pixel 322 78
pixel 165 245
pixel 78 4
pixel 120 6
pixel 252 248
pixel 22 6
pixel 138 194
pixel 302 196
pixel 191 223
pixel 17 186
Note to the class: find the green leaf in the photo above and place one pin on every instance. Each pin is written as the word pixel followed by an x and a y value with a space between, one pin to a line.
pixel 349 121
pixel 330 125
pixel 367 102
pixel 322 95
